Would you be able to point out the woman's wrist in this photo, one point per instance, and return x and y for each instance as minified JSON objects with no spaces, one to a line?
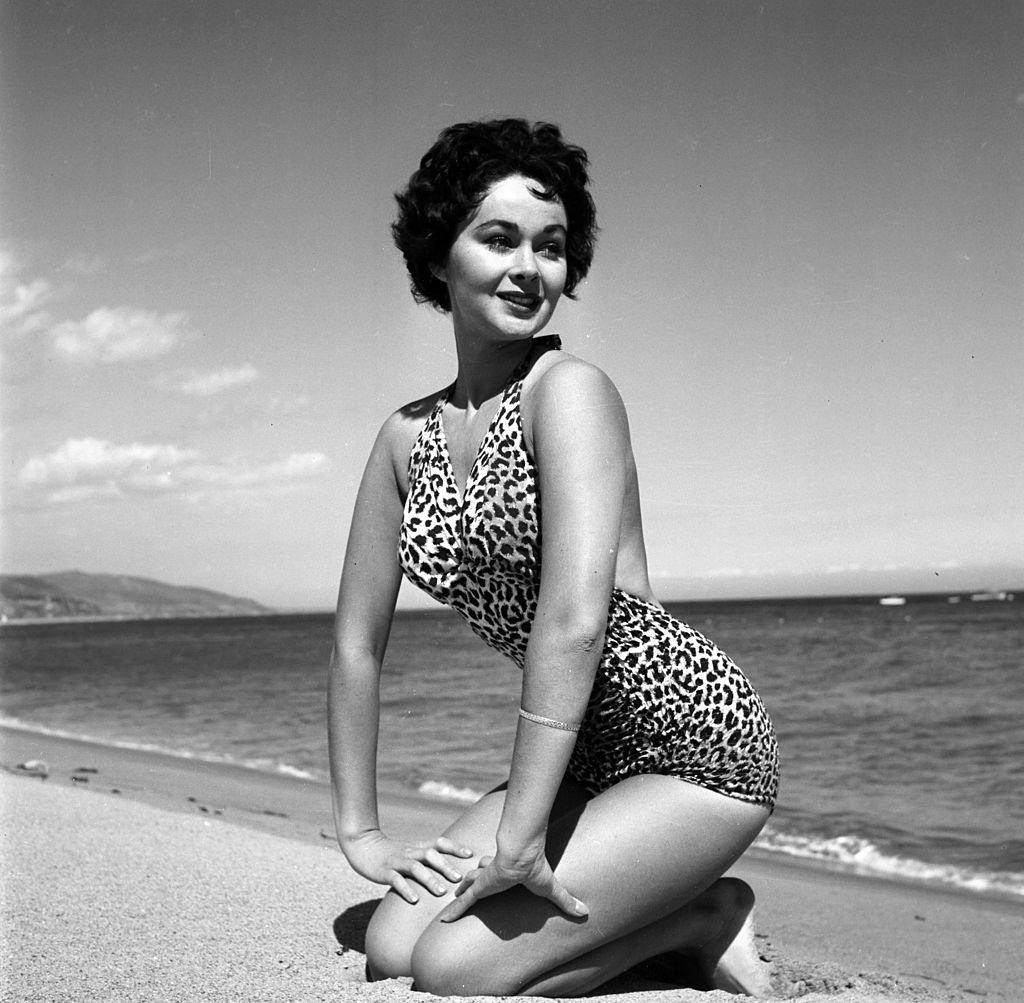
{"x":353,"y":837}
{"x":519,"y":846}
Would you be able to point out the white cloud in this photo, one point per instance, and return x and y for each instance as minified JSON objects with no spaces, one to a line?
{"x":208,"y":384}
{"x":119,"y":333}
{"x":21,"y":303}
{"x":95,"y":461}
{"x":95,"y":468}
{"x":22,"y":312}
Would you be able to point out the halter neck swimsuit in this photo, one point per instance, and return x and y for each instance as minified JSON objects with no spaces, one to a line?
{"x":665,"y":699}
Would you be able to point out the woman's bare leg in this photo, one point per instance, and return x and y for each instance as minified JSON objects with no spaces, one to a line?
{"x":710,"y":937}
{"x":640,"y":855}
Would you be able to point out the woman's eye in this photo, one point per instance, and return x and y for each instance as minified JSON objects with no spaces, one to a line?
{"x":552,"y":250}
{"x":499,"y":241}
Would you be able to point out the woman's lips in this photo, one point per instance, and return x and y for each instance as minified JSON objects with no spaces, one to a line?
{"x":523,"y":301}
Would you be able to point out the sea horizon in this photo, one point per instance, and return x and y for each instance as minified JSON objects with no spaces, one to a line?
{"x":1000,"y":594}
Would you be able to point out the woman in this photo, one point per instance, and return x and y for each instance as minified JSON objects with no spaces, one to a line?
{"x":644,"y":764}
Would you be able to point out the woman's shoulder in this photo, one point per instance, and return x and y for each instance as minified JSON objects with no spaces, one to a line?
{"x":560,"y":378}
{"x":567,"y":389}
{"x":401,"y":428}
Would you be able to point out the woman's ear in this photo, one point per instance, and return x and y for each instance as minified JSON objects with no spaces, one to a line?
{"x":439,"y":272}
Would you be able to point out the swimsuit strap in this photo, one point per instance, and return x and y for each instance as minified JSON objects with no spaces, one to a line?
{"x":548,"y":343}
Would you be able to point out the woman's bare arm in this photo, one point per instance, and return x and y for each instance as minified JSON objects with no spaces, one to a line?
{"x":581,"y":449}
{"x":366,"y":603}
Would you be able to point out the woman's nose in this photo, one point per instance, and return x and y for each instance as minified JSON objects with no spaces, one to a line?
{"x":524,"y":268}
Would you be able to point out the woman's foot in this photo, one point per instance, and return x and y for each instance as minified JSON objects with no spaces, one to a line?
{"x":729,"y":960}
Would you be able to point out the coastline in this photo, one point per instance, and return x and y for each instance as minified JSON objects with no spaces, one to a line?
{"x":830,"y":935}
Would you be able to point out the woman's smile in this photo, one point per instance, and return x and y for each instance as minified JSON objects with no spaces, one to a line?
{"x":521,"y":302}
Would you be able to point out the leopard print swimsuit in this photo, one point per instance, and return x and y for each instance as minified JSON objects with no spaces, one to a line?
{"x":665,"y":699}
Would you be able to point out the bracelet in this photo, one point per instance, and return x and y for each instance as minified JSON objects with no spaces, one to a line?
{"x":549,"y":722}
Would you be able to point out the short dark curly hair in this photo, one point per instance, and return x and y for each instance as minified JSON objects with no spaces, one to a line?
{"x":454,"y":176}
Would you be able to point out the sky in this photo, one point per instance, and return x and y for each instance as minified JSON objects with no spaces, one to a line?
{"x":808,"y":284}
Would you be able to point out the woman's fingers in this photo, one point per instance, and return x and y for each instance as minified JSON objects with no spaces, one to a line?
{"x":481,"y":882}
{"x":547,"y":886}
{"x":401,"y":886}
{"x":456,"y":908}
{"x":403,"y":866}
{"x":446,"y":845}
{"x":569,"y":904}
{"x":427,"y":877}
{"x":467,"y":895}
{"x":441,"y":865}
{"x":468,"y":879}
{"x":426,"y":863}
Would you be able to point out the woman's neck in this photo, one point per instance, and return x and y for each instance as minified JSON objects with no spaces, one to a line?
{"x":484,"y":369}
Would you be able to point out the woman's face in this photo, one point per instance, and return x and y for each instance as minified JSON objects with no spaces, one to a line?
{"x":506,"y":269}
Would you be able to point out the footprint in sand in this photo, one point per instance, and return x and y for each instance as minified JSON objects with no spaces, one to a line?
{"x":203,"y":808}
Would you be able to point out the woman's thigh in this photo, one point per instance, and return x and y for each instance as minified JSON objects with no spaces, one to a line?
{"x":397,"y":925}
{"x":633,"y":854}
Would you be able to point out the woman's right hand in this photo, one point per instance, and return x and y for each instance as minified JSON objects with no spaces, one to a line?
{"x":389,"y":862}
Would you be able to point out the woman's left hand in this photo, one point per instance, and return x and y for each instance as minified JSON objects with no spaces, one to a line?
{"x":498,"y":874}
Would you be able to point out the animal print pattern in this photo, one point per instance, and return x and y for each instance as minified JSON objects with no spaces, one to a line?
{"x":665,"y":699}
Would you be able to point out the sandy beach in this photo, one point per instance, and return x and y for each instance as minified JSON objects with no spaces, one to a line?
{"x":131,"y":875}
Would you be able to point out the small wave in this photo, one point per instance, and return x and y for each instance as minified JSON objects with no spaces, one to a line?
{"x":294,"y":771}
{"x":861,"y":856}
{"x":222,"y":759}
{"x":81,"y":736}
{"x":449,"y":792}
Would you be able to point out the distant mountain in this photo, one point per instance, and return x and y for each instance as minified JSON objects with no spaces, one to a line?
{"x":78,"y":594}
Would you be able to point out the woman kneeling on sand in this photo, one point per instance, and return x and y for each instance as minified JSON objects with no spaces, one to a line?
{"x":644,"y":763}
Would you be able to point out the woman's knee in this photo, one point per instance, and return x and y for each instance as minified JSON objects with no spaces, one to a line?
{"x":390,"y":938}
{"x":444,"y":963}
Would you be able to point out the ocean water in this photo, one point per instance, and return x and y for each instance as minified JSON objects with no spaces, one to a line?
{"x":900,"y":727}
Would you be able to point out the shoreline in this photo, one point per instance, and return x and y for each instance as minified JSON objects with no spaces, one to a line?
{"x":288,"y":806}
{"x":299,"y":807}
{"x":831,"y":936}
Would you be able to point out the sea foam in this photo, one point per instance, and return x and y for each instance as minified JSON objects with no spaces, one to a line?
{"x":449,"y":792}
{"x":860,"y":856}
